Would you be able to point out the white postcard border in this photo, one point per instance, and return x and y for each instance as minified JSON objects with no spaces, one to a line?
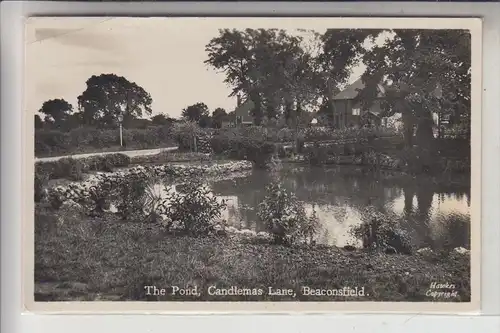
{"x":473,"y":24}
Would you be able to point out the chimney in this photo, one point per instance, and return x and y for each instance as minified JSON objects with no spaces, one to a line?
{"x":238,"y":100}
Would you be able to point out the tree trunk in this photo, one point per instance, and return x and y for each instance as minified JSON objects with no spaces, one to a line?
{"x":425,"y":139}
{"x":407,"y":118}
{"x":257,"y":111}
{"x":296,"y":116}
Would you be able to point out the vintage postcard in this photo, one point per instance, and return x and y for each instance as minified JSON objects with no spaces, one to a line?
{"x":252,"y":164}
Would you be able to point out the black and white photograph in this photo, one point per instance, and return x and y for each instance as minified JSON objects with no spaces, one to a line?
{"x":246,"y":160}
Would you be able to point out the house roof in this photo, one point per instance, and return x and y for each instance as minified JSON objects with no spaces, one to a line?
{"x":245,"y":107}
{"x":244,"y":111}
{"x":352,"y":90}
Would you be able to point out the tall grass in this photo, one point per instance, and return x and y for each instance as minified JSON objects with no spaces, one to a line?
{"x":81,"y":258}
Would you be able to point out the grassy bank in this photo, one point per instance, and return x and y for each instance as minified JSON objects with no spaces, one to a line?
{"x":82,"y":258}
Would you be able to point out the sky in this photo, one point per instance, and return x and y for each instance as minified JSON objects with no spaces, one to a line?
{"x":163,"y":55}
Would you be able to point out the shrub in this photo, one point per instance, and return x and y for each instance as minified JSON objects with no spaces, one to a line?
{"x":41,"y":179}
{"x":98,"y":198}
{"x":118,"y":160}
{"x":55,"y":199}
{"x":184,"y":133}
{"x":99,"y":163}
{"x":318,"y":155}
{"x":171,"y":156}
{"x":130,"y":197}
{"x":381,"y":232}
{"x":236,"y":146}
{"x":73,"y":169}
{"x":455,"y":231}
{"x":346,"y":134}
{"x":284,"y":216}
{"x":193,"y":212}
{"x":68,"y":168}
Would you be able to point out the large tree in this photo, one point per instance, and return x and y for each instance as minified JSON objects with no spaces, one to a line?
{"x":162,"y":120}
{"x":264,"y":65}
{"x":287,"y":70}
{"x":218,"y":117}
{"x":424,"y":72}
{"x":38,"y":122}
{"x":195,"y":112}
{"x":109,"y":95}
{"x":56,"y":111}
{"x":340,"y":51}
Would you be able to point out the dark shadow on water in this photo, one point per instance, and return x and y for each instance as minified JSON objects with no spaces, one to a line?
{"x":434,"y":215}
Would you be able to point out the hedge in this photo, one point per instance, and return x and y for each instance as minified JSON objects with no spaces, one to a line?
{"x":236,"y":146}
{"x":72,"y":168}
{"x":88,"y":139}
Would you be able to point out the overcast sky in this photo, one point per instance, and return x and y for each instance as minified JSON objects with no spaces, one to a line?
{"x":163,"y":55}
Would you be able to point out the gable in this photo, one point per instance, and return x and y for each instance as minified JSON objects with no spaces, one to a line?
{"x":244,"y":110}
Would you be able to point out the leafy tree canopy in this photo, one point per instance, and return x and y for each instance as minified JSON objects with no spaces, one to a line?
{"x":218,"y":117}
{"x":56,"y":110}
{"x":195,"y":112}
{"x":422,"y":72}
{"x":109,"y":95}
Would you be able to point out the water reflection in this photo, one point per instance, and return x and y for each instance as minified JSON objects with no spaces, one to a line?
{"x":435,"y":216}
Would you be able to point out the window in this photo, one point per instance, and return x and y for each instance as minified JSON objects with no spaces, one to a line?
{"x":356,"y":111}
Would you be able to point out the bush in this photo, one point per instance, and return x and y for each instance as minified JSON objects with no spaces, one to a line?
{"x":68,"y":168}
{"x":55,"y":199}
{"x":41,"y":179}
{"x":347,"y":134}
{"x":194,"y":212}
{"x":98,"y":198}
{"x":118,"y":160}
{"x":318,"y":155}
{"x":381,"y":232}
{"x":184,"y":133}
{"x":73,"y":169}
{"x":236,"y":146}
{"x":171,"y":156}
{"x":130,"y":198}
{"x":285,"y":217}
{"x":98,"y":163}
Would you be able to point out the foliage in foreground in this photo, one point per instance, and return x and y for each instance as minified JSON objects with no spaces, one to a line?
{"x":195,"y":211}
{"x":148,"y":197}
{"x":285,"y":216}
{"x":381,"y":232}
{"x":81,"y":258}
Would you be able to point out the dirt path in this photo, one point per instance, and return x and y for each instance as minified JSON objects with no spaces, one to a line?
{"x":130,"y":153}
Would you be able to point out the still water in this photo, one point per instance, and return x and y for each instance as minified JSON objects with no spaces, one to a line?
{"x":435,"y":215}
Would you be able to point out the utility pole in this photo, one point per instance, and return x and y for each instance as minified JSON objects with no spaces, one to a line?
{"x":120,"y":120}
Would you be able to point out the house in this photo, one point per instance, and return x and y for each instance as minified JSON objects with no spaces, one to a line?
{"x":349,"y":113}
{"x":242,"y":114}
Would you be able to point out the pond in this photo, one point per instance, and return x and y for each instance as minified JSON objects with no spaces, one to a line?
{"x":437,"y":216}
